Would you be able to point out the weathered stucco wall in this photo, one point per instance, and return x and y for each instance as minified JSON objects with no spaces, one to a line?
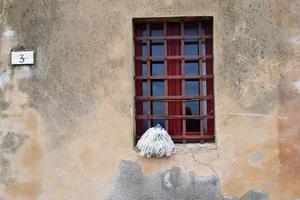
{"x":67,"y":122}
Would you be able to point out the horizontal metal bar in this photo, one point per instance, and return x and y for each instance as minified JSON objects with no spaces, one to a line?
{"x":199,"y":136}
{"x":186,"y":57}
{"x":174,"y":37}
{"x":209,"y":116}
{"x":178,"y":98}
{"x":174,"y":77}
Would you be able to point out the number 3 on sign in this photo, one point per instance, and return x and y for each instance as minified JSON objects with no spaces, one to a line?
{"x":22,"y":58}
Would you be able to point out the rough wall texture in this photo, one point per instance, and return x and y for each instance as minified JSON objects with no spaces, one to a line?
{"x":67,"y":122}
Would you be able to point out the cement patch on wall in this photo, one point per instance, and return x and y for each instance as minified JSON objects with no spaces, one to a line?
{"x":172,"y":184}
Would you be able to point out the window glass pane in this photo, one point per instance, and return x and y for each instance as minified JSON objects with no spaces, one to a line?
{"x":191,"y":30}
{"x":191,"y":68}
{"x":158,"y":121}
{"x":145,"y":108}
{"x":157,"y":49}
{"x":192,"y":108}
{"x":158,"y":108}
{"x":145,"y":91}
{"x":144,"y":49}
{"x":157,"y":32}
{"x":191,"y":48}
{"x":144,"y":69}
{"x":144,"y":32}
{"x":158,"y":88}
{"x":158,"y":68}
{"x":191,"y":88}
{"x":145,"y":125}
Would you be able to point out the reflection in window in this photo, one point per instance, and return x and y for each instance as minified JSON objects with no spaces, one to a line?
{"x":191,"y":88}
{"x":145,"y":91}
{"x":191,"y":48}
{"x":157,"y":32}
{"x":191,"y":68}
{"x":190,"y":30}
{"x":145,"y":108}
{"x":158,"y":68}
{"x":158,"y":108}
{"x":192,"y":108}
{"x":144,"y":69}
{"x":158,"y":88}
{"x":144,"y":49}
{"x":145,"y":125}
{"x":157,"y":49}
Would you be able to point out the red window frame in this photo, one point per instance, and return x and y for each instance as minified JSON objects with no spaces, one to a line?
{"x":174,"y":39}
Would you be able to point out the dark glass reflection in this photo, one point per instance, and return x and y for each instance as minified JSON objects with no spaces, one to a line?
{"x":157,"y":49}
{"x":191,"y":30}
{"x":191,"y":68}
{"x":158,"y":108}
{"x":144,"y":33}
{"x":144,"y":69}
{"x":158,"y":68}
{"x":157,"y":32}
{"x":145,"y":91}
{"x":158,"y":88}
{"x":144,"y":49}
{"x":192,"y":108}
{"x":191,"y":48}
{"x":145,"y":125}
{"x":145,"y":108}
{"x":191,"y":88}
{"x":158,"y":121}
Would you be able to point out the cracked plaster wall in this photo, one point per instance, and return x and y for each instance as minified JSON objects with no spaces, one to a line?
{"x":67,"y":122}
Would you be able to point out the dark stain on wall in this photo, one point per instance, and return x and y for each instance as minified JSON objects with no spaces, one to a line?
{"x":172,"y":184}
{"x":10,"y":142}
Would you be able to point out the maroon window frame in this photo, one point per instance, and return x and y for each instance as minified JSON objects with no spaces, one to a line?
{"x":174,"y":77}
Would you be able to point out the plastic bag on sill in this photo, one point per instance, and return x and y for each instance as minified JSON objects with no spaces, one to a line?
{"x":156,"y":142}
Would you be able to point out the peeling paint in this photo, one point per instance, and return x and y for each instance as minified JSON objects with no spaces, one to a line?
{"x":295,"y":40}
{"x":10,"y":141}
{"x":5,"y":77}
{"x":8,"y":33}
{"x":297,"y":86}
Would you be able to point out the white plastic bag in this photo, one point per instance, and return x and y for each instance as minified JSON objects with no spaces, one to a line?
{"x":156,"y":142}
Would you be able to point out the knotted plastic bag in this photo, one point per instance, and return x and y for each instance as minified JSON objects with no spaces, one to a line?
{"x":156,"y":142}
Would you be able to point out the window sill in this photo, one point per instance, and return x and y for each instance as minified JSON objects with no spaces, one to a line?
{"x":195,"y":147}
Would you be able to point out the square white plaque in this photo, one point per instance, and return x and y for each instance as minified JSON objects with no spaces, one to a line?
{"x":22,"y":58}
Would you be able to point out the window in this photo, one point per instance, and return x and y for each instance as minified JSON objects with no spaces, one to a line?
{"x":174,"y":77}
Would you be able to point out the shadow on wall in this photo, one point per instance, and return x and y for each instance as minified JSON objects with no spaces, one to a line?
{"x":171,"y":185}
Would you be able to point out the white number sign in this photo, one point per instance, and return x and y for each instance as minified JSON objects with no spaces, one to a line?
{"x":22,"y":58}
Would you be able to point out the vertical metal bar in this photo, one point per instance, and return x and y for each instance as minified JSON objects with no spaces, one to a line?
{"x":200,"y":73}
{"x":183,"y":82}
{"x":148,"y":73}
{"x":166,"y":68}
